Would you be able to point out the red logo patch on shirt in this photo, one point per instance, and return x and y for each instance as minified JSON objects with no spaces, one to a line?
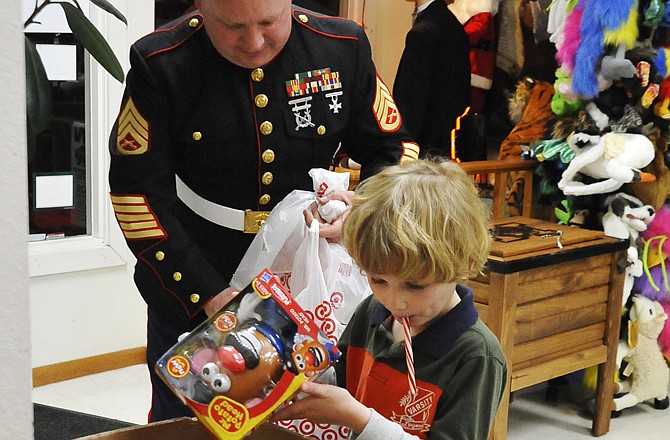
{"x":416,"y":412}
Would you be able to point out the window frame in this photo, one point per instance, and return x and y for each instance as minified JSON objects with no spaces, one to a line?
{"x":103,"y":246}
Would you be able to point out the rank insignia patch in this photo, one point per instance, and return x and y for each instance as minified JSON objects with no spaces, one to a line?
{"x":136,"y":219}
{"x":385,"y":109}
{"x":132,"y":137}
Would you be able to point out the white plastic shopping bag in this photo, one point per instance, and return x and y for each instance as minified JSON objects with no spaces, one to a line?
{"x":275,"y":244}
{"x":308,"y":283}
{"x":321,"y":276}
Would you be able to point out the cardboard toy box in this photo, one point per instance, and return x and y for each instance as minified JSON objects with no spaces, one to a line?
{"x":235,"y":369}
{"x":186,"y":429}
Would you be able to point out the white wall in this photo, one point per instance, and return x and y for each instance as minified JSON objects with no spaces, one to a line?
{"x":15,"y":404}
{"x":82,"y":298}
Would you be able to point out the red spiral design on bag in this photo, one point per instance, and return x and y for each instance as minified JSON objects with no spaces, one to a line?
{"x":323,"y":310}
{"x":329,"y":434}
{"x":306,"y":427}
{"x":285,"y":280}
{"x":344,"y":431}
{"x":329,"y":327}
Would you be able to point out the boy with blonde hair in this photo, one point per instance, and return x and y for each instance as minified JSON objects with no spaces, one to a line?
{"x":417,"y":230}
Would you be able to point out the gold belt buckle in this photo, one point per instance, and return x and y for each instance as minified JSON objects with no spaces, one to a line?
{"x":253,"y":220}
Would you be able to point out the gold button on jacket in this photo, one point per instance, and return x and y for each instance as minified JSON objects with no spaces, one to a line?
{"x":268,"y":156}
{"x":267,"y":178}
{"x":264,"y":199}
{"x":261,"y":101}
{"x":195,"y":298}
{"x":266,"y":128}
{"x":257,"y":75}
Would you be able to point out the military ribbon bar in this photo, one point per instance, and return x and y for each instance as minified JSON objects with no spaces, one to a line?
{"x":312,"y":82}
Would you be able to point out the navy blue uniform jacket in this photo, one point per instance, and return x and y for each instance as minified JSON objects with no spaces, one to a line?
{"x":241,"y":138}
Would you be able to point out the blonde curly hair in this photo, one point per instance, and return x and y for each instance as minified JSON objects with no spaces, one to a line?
{"x":422,"y":221}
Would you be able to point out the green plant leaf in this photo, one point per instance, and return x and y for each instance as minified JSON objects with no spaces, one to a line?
{"x":93,"y":41}
{"x":106,"y":6}
{"x":38,"y":96}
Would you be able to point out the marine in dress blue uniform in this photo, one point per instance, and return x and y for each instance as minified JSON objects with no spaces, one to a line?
{"x":197,"y":136}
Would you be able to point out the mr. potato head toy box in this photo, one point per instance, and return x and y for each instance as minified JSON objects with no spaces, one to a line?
{"x":236,"y":368}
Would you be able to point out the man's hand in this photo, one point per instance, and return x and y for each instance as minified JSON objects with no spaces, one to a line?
{"x":326,"y":404}
{"x":330,"y":231}
{"x":221,"y":299}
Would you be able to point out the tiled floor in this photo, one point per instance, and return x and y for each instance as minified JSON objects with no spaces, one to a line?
{"x":125,"y":395}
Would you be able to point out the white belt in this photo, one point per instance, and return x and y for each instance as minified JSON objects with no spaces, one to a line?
{"x":231,"y":218}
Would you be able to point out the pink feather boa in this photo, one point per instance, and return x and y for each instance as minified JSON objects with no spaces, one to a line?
{"x":571,"y":40}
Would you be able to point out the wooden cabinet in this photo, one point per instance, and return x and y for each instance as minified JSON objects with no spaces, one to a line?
{"x":555,"y":310}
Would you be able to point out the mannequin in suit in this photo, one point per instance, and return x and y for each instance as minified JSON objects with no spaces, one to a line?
{"x":432,"y":84}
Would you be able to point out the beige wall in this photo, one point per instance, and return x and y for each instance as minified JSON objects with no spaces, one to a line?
{"x":386,"y":23}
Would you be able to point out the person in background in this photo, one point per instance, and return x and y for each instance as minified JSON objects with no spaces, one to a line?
{"x":225,"y":111}
{"x":417,"y":229}
{"x":432,"y":84}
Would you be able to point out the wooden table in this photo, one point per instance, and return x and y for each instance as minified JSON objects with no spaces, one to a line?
{"x":554,"y":310}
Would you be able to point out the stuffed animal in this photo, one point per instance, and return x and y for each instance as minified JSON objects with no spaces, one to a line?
{"x":664,"y":337}
{"x":615,"y":158}
{"x":626,"y":218}
{"x":649,"y":373}
{"x":657,"y":192}
{"x":530,"y":109}
{"x":655,"y":284}
{"x":591,"y":28}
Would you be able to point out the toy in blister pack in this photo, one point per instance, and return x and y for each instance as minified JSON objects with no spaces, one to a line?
{"x":235,"y":369}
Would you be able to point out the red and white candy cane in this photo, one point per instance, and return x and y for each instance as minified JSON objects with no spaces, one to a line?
{"x":409,"y":356}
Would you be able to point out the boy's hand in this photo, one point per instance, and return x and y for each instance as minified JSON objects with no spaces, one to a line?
{"x":326,"y":404}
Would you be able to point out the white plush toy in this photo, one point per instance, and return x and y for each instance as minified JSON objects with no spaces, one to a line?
{"x":616,"y":158}
{"x":647,"y":368}
{"x":625,"y":218}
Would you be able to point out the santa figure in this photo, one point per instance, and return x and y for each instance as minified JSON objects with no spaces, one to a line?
{"x":477,"y":17}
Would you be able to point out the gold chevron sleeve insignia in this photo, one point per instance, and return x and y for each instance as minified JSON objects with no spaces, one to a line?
{"x":410,"y":151}
{"x":132,"y":136}
{"x":135,"y":217}
{"x":385,"y":109}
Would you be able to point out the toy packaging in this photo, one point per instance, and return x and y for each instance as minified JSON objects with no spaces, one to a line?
{"x":236,"y":368}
